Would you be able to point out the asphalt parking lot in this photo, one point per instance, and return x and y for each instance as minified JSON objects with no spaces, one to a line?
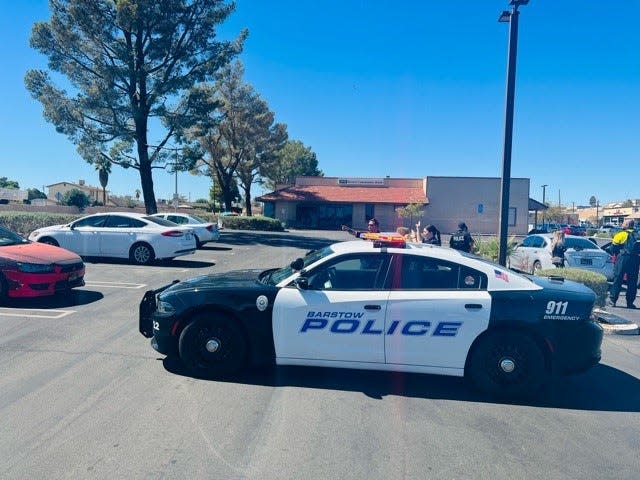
{"x":83,"y":395}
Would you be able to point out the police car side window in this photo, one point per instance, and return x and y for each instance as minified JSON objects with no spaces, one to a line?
{"x":413,"y":272}
{"x":471,"y":279}
{"x":351,"y":272}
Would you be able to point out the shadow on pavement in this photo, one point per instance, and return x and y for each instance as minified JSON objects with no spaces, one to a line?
{"x":603,"y":388}
{"x":177,"y":263}
{"x":280,"y":239}
{"x":62,"y":300}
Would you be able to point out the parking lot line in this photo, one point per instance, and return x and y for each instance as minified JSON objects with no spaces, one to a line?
{"x":50,"y":314}
{"x":96,"y":283}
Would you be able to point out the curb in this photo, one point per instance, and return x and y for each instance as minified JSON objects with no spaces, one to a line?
{"x":615,"y":324}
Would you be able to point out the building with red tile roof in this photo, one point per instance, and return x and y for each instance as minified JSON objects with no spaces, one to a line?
{"x":329,"y":202}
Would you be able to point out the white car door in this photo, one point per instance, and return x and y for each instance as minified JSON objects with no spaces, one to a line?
{"x":118,"y":235}
{"x":339,"y":316}
{"x":436,"y":310}
{"x":82,"y":236}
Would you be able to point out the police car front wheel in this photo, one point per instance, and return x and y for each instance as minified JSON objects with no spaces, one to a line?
{"x":507,"y":364}
{"x":212,"y":344}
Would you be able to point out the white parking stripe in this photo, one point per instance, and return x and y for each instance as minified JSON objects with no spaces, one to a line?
{"x":52,"y":314}
{"x":96,"y":283}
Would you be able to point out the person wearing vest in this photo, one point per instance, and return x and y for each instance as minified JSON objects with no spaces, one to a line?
{"x":627,"y":243}
{"x":461,"y":240}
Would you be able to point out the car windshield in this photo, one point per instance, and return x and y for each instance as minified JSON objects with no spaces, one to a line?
{"x":273,"y":277}
{"x":7,"y":238}
{"x":160,"y":221}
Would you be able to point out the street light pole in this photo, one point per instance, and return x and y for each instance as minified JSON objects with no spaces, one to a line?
{"x":512,"y":18}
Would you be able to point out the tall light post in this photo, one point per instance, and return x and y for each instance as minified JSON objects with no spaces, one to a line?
{"x":512,"y":18}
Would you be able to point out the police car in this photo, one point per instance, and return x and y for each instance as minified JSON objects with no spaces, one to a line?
{"x":382,"y":305}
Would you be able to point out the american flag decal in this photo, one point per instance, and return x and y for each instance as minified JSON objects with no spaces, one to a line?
{"x":501,"y":275}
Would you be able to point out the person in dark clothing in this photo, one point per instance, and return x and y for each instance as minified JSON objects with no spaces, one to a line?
{"x":627,"y":245}
{"x":430,"y":234}
{"x":373,"y":226}
{"x":558,"y":248}
{"x":462,"y":240}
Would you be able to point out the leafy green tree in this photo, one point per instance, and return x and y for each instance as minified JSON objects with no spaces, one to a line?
{"x":292,"y":160}
{"x":411,"y":211}
{"x":33,"y":193}
{"x":592,"y":200}
{"x":627,"y":203}
{"x":131,"y":64}
{"x":240,"y":137}
{"x":6,"y":183}
{"x":76,"y":198}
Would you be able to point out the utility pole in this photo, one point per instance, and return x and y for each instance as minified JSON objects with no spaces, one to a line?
{"x":544,"y":198}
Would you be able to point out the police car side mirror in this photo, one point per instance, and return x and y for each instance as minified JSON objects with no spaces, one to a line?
{"x":302,"y":283}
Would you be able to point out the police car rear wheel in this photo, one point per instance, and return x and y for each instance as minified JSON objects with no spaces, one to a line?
{"x":212,"y":344}
{"x":507,"y":364}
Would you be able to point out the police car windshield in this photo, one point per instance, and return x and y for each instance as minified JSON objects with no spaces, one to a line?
{"x":278,"y":275}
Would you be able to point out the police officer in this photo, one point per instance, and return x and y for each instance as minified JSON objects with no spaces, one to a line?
{"x":627,"y":243}
{"x":461,"y":240}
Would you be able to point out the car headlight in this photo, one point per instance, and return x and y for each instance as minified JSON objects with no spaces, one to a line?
{"x":34,"y":267}
{"x":165,"y":307}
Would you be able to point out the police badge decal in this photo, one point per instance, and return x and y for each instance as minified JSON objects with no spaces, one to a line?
{"x":261,"y":303}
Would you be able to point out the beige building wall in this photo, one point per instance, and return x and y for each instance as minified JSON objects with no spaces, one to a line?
{"x":94,"y":193}
{"x":476,"y":201}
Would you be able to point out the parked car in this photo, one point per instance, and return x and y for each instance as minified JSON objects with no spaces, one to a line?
{"x":35,"y":270}
{"x":138,"y":237}
{"x":546,"y":228}
{"x":382,"y":305}
{"x":575,"y":230}
{"x":204,"y":231}
{"x":609,"y":228}
{"x":534,"y":253}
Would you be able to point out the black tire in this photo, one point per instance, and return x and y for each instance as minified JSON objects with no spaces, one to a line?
{"x":536,"y":267}
{"x":226,"y":337}
{"x":507,"y":364}
{"x":142,"y":254}
{"x":49,"y":241}
{"x":198,"y":243}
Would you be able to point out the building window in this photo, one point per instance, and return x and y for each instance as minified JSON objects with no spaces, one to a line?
{"x":512,"y":216}
{"x":270,"y":209}
{"x":369,"y":212}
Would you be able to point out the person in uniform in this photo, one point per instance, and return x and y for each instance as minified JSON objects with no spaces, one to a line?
{"x":626,"y":243}
{"x":461,"y":239}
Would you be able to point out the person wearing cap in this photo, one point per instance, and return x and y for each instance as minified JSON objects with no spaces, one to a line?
{"x":627,"y":243}
{"x":461,"y":239}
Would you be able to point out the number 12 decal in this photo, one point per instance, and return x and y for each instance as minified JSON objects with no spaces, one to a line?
{"x":556,"y":308}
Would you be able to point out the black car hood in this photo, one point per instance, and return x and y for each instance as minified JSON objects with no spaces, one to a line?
{"x":238,"y":279}
{"x":560,"y":284}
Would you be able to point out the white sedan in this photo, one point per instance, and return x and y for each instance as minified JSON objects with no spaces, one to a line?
{"x":534,"y":253}
{"x":139,"y":237}
{"x":204,"y":231}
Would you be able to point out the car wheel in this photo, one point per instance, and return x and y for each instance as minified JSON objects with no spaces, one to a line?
{"x":213,"y":344}
{"x":141,"y":254}
{"x":198,"y":242}
{"x":49,"y":241}
{"x":536,"y":267}
{"x":507,"y":364}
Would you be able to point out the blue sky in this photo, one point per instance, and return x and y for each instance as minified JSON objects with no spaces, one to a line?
{"x":405,"y":89}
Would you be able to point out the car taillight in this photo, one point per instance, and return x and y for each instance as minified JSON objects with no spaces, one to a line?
{"x":173,"y":233}
{"x":209,"y":227}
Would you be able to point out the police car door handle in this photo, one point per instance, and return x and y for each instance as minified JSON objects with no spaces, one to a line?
{"x":372,"y":307}
{"x":473,"y":306}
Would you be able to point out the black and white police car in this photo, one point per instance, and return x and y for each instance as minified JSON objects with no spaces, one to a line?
{"x":382,"y":305}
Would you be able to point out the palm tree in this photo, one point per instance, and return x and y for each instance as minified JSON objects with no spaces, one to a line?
{"x":103,"y":166}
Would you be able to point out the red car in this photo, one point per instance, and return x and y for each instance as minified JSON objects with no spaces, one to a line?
{"x":29,"y":269}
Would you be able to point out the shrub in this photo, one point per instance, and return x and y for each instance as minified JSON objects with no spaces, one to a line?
{"x":26,"y":222}
{"x":489,"y":247}
{"x":257,"y":222}
{"x":76,"y":198}
{"x":595,"y":281}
